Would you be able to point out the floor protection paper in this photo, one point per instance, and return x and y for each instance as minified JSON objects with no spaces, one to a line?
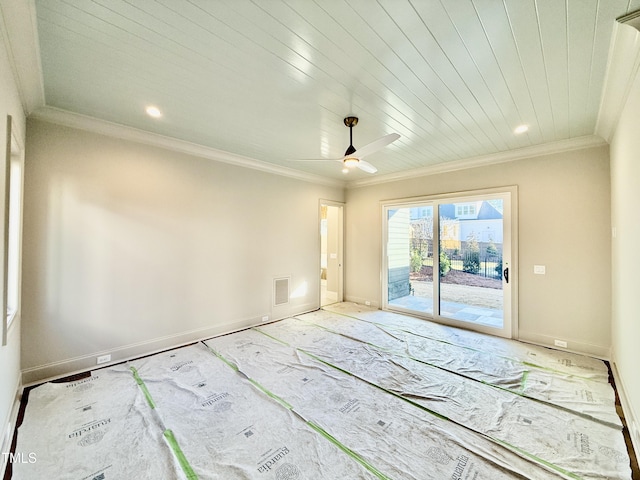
{"x":585,"y":396}
{"x":97,"y":428}
{"x":554,"y":360}
{"x":570,"y":443}
{"x":227,"y":428}
{"x":400,"y":440}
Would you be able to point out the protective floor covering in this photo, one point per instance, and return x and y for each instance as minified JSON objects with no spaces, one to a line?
{"x":97,"y":428}
{"x":402,"y":441}
{"x":590,"y":395}
{"x":350,"y":393}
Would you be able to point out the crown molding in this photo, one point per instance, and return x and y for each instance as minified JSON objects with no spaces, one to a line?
{"x":632,"y":19}
{"x":622,"y":68}
{"x":485,"y":160}
{"x":20,"y":35}
{"x":84,"y":122}
{"x":123,"y":132}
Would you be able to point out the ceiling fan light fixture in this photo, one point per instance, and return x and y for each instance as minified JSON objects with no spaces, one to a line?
{"x":351,"y":162}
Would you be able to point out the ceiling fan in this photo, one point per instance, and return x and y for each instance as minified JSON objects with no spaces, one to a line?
{"x":354,"y":158}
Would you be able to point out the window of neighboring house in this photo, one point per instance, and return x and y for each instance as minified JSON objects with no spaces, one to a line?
{"x":462,"y":210}
{"x":13,"y":226}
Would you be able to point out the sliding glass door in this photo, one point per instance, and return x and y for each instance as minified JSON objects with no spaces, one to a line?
{"x":449,"y":258}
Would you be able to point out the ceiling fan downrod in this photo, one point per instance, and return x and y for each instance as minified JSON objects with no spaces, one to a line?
{"x":350,"y":122}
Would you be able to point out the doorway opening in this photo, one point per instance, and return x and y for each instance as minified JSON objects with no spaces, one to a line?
{"x":331,"y":252}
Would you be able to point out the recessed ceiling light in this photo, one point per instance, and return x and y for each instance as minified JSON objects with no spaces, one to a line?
{"x":153,"y":111}
{"x":521,"y":129}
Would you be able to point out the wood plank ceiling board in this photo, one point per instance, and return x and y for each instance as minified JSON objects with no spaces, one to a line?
{"x":464,"y":42}
{"x":581,"y":30}
{"x":272,"y":80}
{"x":436,"y":76}
{"x":525,"y":32}
{"x":553,"y":39}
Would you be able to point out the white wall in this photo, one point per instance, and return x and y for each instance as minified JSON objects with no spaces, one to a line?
{"x":10,"y":353}
{"x":625,"y":219}
{"x":564,"y":217}
{"x":130,"y":248}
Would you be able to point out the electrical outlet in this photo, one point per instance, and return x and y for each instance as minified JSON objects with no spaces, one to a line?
{"x":560,"y":343}
{"x":265,"y":318}
{"x":367,"y":303}
{"x":103,"y":359}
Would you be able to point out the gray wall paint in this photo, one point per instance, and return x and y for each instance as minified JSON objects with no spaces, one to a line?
{"x":564,"y":218}
{"x":130,"y":248}
{"x":625,"y":218}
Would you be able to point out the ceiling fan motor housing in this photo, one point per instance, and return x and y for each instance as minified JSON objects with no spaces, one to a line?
{"x":351,"y":121}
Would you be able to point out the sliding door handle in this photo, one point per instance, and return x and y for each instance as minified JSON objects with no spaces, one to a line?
{"x":506,"y":274}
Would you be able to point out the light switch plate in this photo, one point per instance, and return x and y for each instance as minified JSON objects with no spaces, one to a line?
{"x":539,"y":269}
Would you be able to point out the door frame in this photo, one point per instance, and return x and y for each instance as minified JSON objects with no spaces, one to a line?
{"x":510,"y":225}
{"x":340,"y":252}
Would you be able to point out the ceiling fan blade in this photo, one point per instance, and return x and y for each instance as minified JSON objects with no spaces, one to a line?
{"x":315,"y":159}
{"x":377,"y":145}
{"x":366,"y":167}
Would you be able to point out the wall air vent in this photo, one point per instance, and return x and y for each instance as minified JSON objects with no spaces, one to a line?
{"x":280,"y":291}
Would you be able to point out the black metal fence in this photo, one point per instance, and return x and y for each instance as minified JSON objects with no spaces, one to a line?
{"x":477,"y":258}
{"x":489,"y":266}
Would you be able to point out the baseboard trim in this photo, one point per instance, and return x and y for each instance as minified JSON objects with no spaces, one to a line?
{"x":301,"y":309}
{"x":598,"y":351}
{"x":72,"y":366}
{"x":629,"y":415}
{"x":363,"y":301}
{"x":9,"y":427}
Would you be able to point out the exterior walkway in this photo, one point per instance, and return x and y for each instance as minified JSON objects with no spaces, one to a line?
{"x":490,"y":317}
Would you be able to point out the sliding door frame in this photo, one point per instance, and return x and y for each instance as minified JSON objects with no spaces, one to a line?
{"x":510,"y":227}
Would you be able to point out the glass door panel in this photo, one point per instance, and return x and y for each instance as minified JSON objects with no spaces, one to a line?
{"x":410,"y":258}
{"x":471,"y":250}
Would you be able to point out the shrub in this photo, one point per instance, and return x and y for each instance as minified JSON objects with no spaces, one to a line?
{"x":445,"y":263}
{"x":471,"y":261}
{"x":416,"y":261}
{"x":471,"y":258}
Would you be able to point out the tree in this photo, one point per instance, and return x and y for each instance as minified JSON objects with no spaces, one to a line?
{"x":471,"y":259}
{"x":421,"y":236}
{"x":445,"y":263}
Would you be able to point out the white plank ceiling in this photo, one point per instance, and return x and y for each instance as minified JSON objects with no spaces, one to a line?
{"x":273,"y":79}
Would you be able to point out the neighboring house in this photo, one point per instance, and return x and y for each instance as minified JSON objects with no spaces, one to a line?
{"x":462,"y":221}
{"x":398,"y":253}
